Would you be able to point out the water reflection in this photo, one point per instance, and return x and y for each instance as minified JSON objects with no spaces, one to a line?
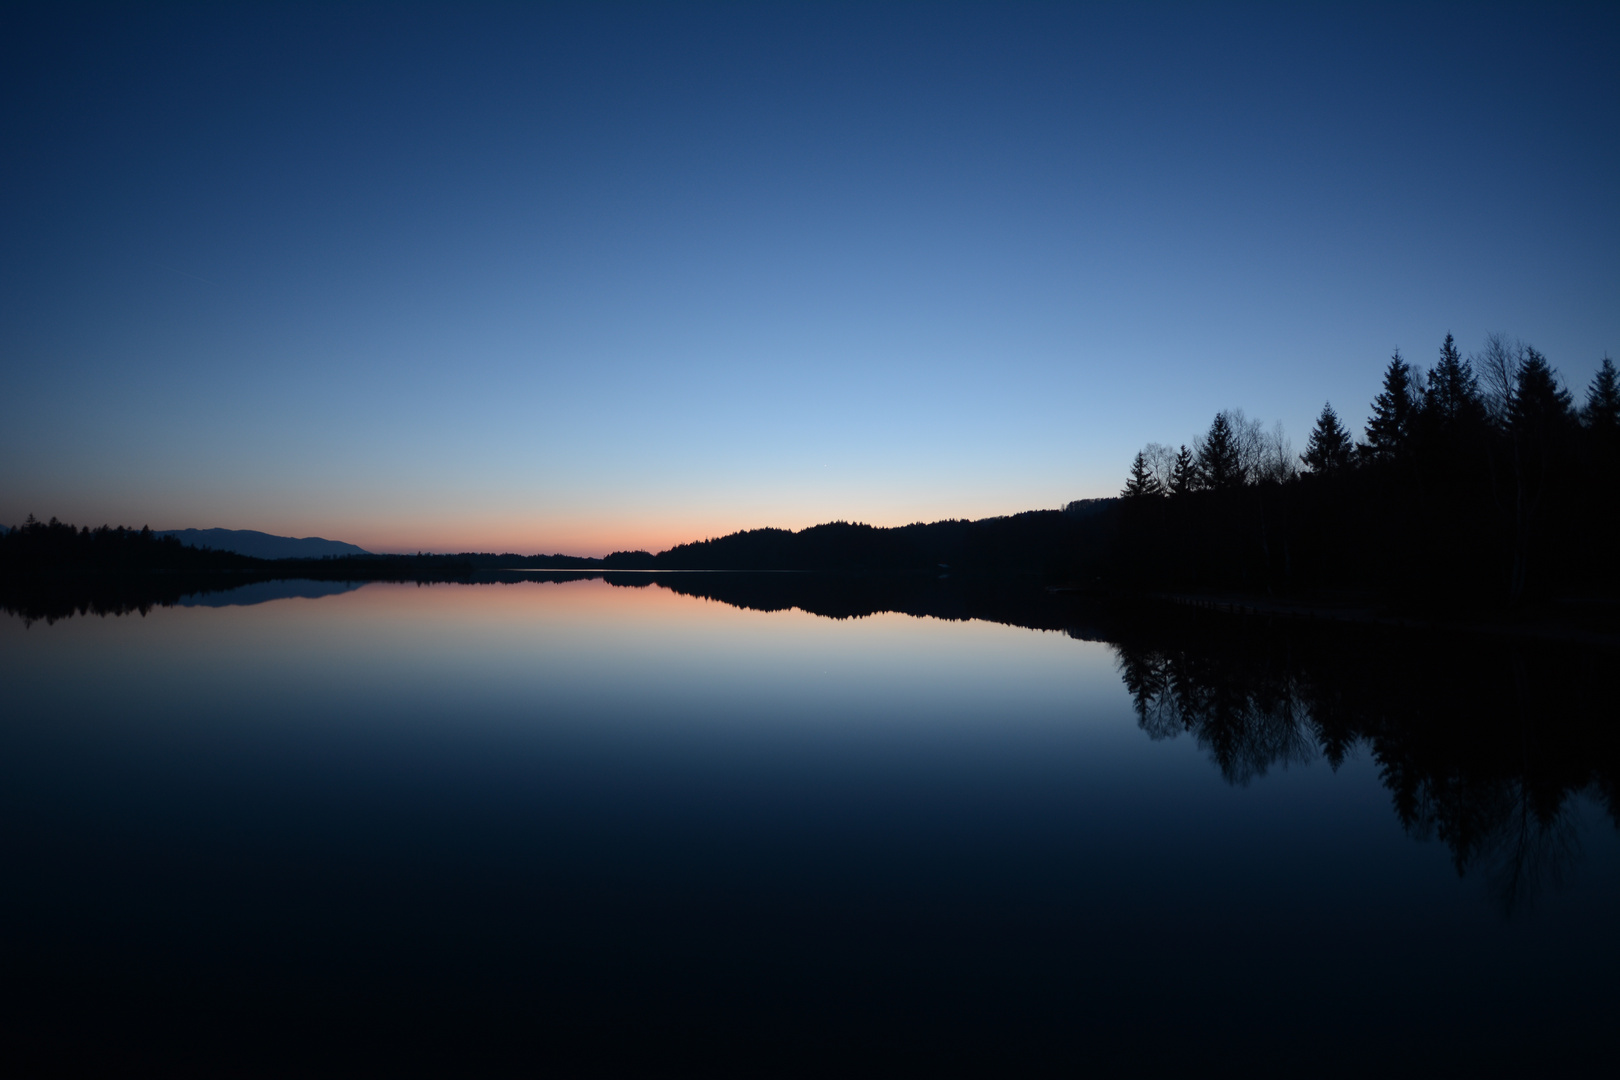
{"x":261,"y":592}
{"x":1487,"y":745}
{"x":728,"y":814}
{"x":48,"y":598}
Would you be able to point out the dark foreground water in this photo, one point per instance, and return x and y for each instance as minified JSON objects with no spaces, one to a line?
{"x":577,"y":828}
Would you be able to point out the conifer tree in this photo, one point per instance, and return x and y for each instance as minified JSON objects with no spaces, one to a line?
{"x":1329,"y":447}
{"x":1452,"y":397}
{"x":1184,"y":473}
{"x":1602,"y":412}
{"x":1540,"y":415}
{"x":1539,"y":404}
{"x":1220,"y":460}
{"x":1390,"y":428}
{"x":1141,"y":484}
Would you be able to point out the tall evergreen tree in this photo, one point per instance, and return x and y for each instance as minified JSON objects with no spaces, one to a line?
{"x":1141,"y":484}
{"x":1539,"y":404}
{"x":1184,"y":473}
{"x":1329,"y":447}
{"x":1602,"y":411}
{"x":1540,"y":418}
{"x":1390,"y":428}
{"x":1452,"y":397}
{"x":1220,"y":458}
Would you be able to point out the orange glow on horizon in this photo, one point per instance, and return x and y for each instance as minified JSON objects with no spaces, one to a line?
{"x":598,"y":536}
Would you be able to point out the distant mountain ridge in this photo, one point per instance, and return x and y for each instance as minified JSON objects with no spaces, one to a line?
{"x":260,"y":545}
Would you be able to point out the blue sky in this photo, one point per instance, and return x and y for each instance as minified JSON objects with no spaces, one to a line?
{"x":581,"y":278}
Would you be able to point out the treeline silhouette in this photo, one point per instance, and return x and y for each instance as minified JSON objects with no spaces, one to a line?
{"x":51,"y":546}
{"x":1479,"y":483}
{"x":1051,"y":543}
{"x":51,"y":570}
{"x":38,"y":546}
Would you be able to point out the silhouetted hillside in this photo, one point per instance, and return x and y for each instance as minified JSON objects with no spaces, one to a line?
{"x":1046,"y":542}
{"x":262,"y":545}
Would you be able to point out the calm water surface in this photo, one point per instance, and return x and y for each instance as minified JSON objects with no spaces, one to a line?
{"x":589,"y":829}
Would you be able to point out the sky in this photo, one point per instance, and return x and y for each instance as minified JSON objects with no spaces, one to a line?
{"x":588,"y":278}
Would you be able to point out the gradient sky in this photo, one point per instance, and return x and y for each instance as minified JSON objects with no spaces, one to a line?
{"x":599,"y":277}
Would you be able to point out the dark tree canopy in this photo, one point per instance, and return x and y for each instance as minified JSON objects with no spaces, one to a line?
{"x":1539,"y":407}
{"x":1452,"y":398}
{"x":1184,"y":473}
{"x":1142,"y":484}
{"x":1480,"y":485}
{"x":1390,"y":428}
{"x":1602,"y":412}
{"x":1330,"y":447}
{"x":1220,"y":459}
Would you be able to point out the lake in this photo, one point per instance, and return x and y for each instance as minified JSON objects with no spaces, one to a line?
{"x":694,"y":823}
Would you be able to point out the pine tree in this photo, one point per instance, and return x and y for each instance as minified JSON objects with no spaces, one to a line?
{"x":1452,"y":398}
{"x":1602,"y":412}
{"x":1184,"y":473}
{"x":1390,"y":428}
{"x":1539,"y":404}
{"x":1540,"y":415}
{"x":1329,"y":448}
{"x":1142,"y":484}
{"x":1220,"y":461}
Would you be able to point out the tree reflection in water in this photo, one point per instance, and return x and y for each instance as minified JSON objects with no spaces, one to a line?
{"x":1496,"y":748}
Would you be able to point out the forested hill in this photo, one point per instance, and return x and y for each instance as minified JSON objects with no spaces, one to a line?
{"x":1056,"y":544}
{"x":261,"y":545}
{"x":1480,"y":485}
{"x":1049,"y":542}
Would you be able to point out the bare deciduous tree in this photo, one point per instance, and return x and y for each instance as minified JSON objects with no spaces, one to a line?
{"x":1250,"y":437}
{"x":1277,"y":456}
{"x":1161,"y":462}
{"x":1498,"y":364}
